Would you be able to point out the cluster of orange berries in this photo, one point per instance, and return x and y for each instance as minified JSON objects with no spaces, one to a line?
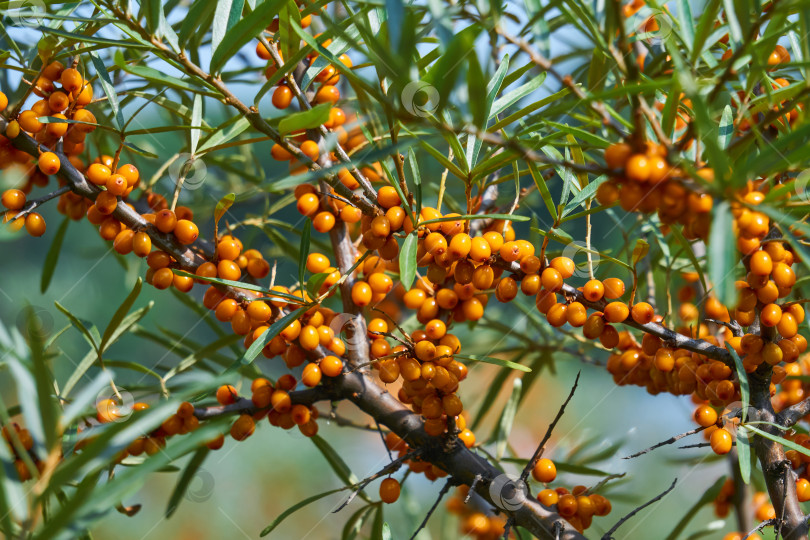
{"x":22,"y":437}
{"x":577,"y":506}
{"x":648,"y":183}
{"x":416,"y":465}
{"x":475,"y":523}
{"x":273,"y":401}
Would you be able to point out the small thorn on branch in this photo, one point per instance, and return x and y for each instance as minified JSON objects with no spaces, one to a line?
{"x":766,"y":523}
{"x":388,"y":469}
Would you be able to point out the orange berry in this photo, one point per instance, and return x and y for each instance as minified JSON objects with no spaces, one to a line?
{"x":13,"y":199}
{"x":705,"y":416}
{"x":389,"y":490}
{"x":331,"y":366}
{"x":226,"y":394}
{"x":48,"y":163}
{"x":720,"y":441}
{"x":35,"y":224}
{"x":642,"y":313}
{"x":544,"y":471}
{"x":186,"y":231}
{"x":282,"y":97}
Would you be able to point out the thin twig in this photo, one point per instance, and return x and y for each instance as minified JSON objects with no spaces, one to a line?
{"x":609,"y":535}
{"x":766,"y":523}
{"x":666,"y":442}
{"x":388,"y":469}
{"x":445,"y":488}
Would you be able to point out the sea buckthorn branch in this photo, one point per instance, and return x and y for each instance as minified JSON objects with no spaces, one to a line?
{"x":187,"y":257}
{"x":458,"y":461}
{"x":546,"y":64}
{"x":791,"y":415}
{"x":671,"y":440}
{"x":307,"y":396}
{"x":292,"y":83}
{"x":667,"y":335}
{"x":250,"y":113}
{"x":32,"y":204}
{"x":524,"y":474}
{"x":779,"y":476}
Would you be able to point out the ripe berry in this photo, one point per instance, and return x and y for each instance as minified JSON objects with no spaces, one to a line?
{"x":720,"y":441}
{"x":705,"y":416}
{"x":243,"y":427}
{"x":642,"y":312}
{"x":616,"y":312}
{"x":594,"y":290}
{"x":387,"y":197}
{"x":311,"y":375}
{"x":617,"y":154}
{"x":761,"y":263}
{"x":614,"y":288}
{"x":361,"y":294}
{"x":282,"y":97}
{"x":117,"y":185}
{"x":48,"y":163}
{"x":226,"y":394}
{"x":544,"y":471}
{"x":35,"y":224}
{"x":770,"y":315}
{"x":13,"y":199}
{"x":186,"y":231}
{"x":389,"y":490}
{"x":638,"y":168}
{"x":71,"y":80}
{"x":331,"y":366}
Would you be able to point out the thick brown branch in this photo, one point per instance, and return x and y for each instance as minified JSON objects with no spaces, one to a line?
{"x":668,"y":336}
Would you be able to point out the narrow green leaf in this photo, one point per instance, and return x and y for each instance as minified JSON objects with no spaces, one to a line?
{"x":744,"y":454}
{"x":542,"y":188}
{"x":109,"y":89}
{"x":707,"y":498}
{"x":196,"y":121}
{"x":244,"y":31}
{"x":335,"y":461}
{"x":303,"y":251}
{"x":224,"y":133}
{"x":307,"y":119}
{"x":509,"y":99}
{"x":507,"y":418}
{"x":781,"y":440}
{"x":88,"y":329}
{"x":407,"y":261}
{"x":294,"y":508}
{"x":185,"y":479}
{"x":119,"y":315}
{"x":223,"y":205}
{"x":492,"y":360}
{"x":53,"y":256}
{"x":722,"y":254}
{"x":726,"y":127}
